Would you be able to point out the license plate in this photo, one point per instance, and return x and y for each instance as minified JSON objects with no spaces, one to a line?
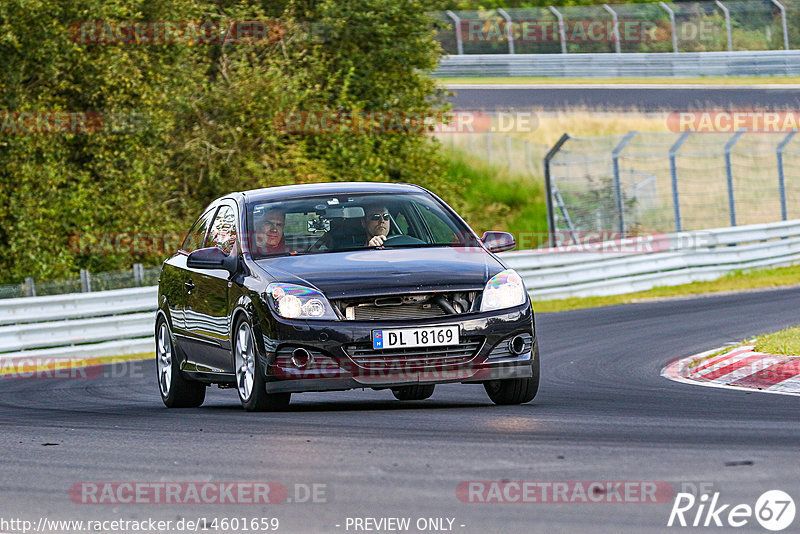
{"x":415,"y":337}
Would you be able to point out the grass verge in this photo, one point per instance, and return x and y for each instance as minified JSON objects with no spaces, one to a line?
{"x":737,"y":281}
{"x":496,"y":199}
{"x":709,"y":80}
{"x":785,"y":342}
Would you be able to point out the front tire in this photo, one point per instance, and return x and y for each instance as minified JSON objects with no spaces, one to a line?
{"x":418,"y":392}
{"x":176,"y":391}
{"x":515,"y":390}
{"x":250,"y":377}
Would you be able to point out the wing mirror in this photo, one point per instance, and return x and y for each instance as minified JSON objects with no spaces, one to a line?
{"x":211,"y":258}
{"x":498,"y":241}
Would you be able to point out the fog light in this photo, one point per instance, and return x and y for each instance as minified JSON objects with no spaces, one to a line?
{"x":301,"y":358}
{"x":517,"y":345}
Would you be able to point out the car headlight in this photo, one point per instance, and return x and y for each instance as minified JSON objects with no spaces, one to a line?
{"x":299,"y":302}
{"x":503,"y":290}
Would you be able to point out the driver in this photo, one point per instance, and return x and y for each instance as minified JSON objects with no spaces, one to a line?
{"x":376,"y":223}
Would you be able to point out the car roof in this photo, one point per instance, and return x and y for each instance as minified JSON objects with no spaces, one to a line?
{"x":286,"y":192}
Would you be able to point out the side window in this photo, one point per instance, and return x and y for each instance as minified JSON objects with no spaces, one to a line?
{"x":223,"y":231}
{"x":194,"y":239}
{"x":442,"y":233}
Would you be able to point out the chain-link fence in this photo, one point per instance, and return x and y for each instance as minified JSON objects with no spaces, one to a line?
{"x":705,"y":26}
{"x":85,"y":282}
{"x":666,"y":182}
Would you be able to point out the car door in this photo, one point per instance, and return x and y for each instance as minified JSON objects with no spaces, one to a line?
{"x":174,"y":275}
{"x":207,"y":310}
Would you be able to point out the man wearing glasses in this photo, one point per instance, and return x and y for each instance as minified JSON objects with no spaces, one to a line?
{"x":376,"y":223}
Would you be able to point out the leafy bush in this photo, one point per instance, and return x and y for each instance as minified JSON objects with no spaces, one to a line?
{"x":200,"y":119}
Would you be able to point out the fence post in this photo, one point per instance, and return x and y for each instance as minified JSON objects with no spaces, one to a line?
{"x":783,"y":24}
{"x":138,"y":274}
{"x":729,"y":174}
{"x":509,"y":32}
{"x":672,"y":25}
{"x":551,"y":224}
{"x":617,"y":184}
{"x":86,"y":281}
{"x":562,"y":34}
{"x":727,"y":23}
{"x":30,"y":287}
{"x":489,"y":147}
{"x":529,"y":157}
{"x":781,"y":184}
{"x":616,"y":27}
{"x":673,"y":171}
{"x":459,"y":39}
{"x":508,"y":151}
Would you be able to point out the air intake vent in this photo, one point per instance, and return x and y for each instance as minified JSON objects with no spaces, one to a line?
{"x":402,"y":307}
{"x":419,"y":357}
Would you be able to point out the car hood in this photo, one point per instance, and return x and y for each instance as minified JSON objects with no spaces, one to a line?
{"x":386,"y":271}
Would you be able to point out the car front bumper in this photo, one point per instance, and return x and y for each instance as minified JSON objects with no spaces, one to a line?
{"x":342,"y":358}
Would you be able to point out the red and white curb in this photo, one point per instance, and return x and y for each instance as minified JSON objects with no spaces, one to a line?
{"x":738,"y":368}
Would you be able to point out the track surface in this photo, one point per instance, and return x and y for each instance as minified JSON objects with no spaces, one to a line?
{"x":642,"y":99}
{"x":602,"y":413}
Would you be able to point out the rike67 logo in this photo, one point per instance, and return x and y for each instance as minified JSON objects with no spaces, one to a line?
{"x":774,"y":510}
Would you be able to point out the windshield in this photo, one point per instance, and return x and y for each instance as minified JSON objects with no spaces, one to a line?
{"x":335,"y":223}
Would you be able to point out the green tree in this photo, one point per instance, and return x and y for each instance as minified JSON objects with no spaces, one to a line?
{"x":186,"y":123}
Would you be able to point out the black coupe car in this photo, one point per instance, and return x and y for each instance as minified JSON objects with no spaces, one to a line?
{"x":336,"y":286}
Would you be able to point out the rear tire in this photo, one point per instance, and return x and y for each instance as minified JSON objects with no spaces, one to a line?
{"x":176,"y":391}
{"x":515,"y":390}
{"x":250,"y":376}
{"x":418,"y":392}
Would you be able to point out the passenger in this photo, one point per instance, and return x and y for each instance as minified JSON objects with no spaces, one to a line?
{"x":271,"y":239}
{"x":376,"y":223}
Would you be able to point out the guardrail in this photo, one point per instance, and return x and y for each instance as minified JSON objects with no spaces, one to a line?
{"x":662,"y":260}
{"x":102,"y":323}
{"x":77,"y":305}
{"x":664,"y":64}
{"x":121,"y":321}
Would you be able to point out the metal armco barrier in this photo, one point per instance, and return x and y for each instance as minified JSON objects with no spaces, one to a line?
{"x":77,"y":305}
{"x":638,"y":264}
{"x":103,"y":323}
{"x":664,"y":64}
{"x":122,"y":321}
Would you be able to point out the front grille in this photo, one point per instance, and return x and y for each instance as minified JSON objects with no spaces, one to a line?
{"x":406,"y":307}
{"x":418,"y":357}
{"x":407,"y":311}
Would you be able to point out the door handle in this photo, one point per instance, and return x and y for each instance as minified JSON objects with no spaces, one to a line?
{"x":189,"y":285}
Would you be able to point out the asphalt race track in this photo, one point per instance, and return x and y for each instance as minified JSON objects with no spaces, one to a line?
{"x":607,"y":98}
{"x":603,"y":413}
